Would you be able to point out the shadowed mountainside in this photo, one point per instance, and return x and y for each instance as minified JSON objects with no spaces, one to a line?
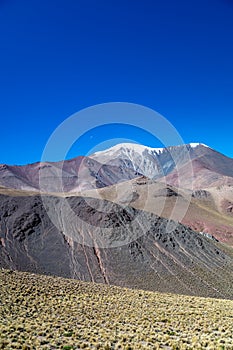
{"x":181,"y":261}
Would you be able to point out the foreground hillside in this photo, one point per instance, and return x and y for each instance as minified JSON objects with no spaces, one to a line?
{"x":41,"y":312}
{"x":140,"y":253}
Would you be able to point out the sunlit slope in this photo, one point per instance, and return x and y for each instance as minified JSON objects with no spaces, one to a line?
{"x":39,"y":312}
{"x":208,"y":210}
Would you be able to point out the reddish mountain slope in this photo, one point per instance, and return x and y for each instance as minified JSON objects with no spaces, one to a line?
{"x":71,"y":175}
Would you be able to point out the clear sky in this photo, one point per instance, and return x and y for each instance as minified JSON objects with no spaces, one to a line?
{"x":57,"y":57}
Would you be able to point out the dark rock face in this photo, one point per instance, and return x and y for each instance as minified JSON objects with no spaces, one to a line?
{"x":208,"y":235}
{"x":142,"y":254}
{"x":201,"y":194}
{"x":167,"y":192}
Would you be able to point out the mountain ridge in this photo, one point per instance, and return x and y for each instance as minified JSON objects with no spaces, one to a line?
{"x":124,"y":162}
{"x":119,"y":145}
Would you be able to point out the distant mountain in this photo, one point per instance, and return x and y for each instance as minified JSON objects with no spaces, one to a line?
{"x":198,"y":165}
{"x":192,"y":166}
{"x":144,"y":255}
{"x":77,"y":174}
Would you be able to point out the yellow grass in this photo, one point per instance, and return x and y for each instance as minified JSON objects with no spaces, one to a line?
{"x":39,"y":312}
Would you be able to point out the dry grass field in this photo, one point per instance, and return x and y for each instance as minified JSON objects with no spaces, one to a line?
{"x":41,"y":312}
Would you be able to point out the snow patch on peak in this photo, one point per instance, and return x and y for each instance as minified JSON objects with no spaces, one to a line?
{"x":193,"y":145}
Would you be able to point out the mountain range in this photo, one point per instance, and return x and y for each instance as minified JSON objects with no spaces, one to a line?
{"x":125,"y":198}
{"x":195,"y":166}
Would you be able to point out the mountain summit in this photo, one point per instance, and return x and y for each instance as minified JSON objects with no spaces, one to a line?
{"x":191,"y":166}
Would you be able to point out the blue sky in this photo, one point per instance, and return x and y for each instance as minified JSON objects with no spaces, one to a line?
{"x":57,"y":57}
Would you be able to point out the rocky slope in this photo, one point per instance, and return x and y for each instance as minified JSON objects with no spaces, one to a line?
{"x":140,"y":252}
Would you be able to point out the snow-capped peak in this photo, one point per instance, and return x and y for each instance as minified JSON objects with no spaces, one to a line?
{"x":149,"y":161}
{"x":130,"y":147}
{"x":135,"y":147}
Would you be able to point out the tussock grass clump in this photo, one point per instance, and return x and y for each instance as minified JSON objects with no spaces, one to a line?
{"x":41,"y":312}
